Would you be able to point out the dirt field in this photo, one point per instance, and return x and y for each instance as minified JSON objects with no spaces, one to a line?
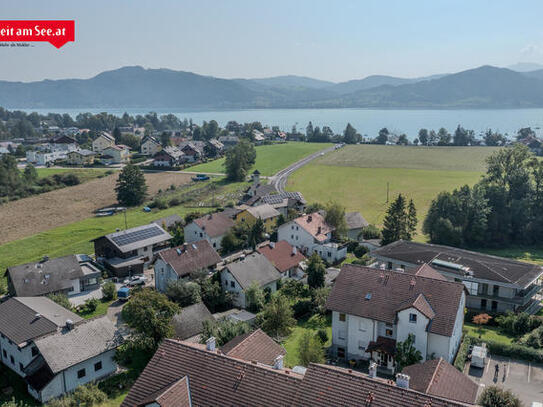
{"x":36,"y":214}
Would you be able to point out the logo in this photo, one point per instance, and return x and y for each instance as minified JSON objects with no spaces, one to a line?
{"x":55,"y":32}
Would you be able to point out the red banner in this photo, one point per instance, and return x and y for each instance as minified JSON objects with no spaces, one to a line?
{"x":56,"y":32}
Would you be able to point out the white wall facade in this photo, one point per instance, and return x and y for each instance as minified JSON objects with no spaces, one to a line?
{"x":21,"y":356}
{"x":417,"y":328}
{"x":193,"y":233}
{"x":230,"y":284}
{"x":163,"y":275}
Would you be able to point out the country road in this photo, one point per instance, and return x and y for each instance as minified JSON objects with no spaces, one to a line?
{"x":279,"y":180}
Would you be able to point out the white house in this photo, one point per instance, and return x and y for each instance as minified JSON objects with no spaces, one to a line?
{"x":116,"y":154}
{"x":150,"y":145}
{"x":210,"y":227}
{"x":238,"y":276}
{"x":311,"y":234}
{"x":103,"y":141}
{"x":373,"y":310}
{"x":45,"y":157}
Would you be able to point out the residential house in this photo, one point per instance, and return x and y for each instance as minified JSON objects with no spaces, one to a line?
{"x":128,"y":251}
{"x":214,"y":147}
{"x":150,"y":146}
{"x":62,"y":143}
{"x":46,"y":157}
{"x":80,"y":353}
{"x":169,"y":222}
{"x":103,"y":141}
{"x":189,"y":323}
{"x":494,"y":283}
{"x":168,"y":157}
{"x":192,"y":150}
{"x":24,"y":319}
{"x":439,"y":378}
{"x":373,"y":310}
{"x":258,"y":137}
{"x":180,"y":262}
{"x":311,"y":234}
{"x":285,"y":257}
{"x":69,"y":275}
{"x":229,"y":141}
{"x":255,"y":346}
{"x":116,"y":154}
{"x":238,"y":276}
{"x":355,"y":224}
{"x":203,"y":376}
{"x":283,"y":202}
{"x":80,"y":157}
{"x":267,"y":213}
{"x":211,"y":227}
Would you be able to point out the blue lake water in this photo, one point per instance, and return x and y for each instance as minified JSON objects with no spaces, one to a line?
{"x":366,"y":121}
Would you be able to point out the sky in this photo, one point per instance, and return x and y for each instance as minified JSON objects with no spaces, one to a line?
{"x":331,"y":40}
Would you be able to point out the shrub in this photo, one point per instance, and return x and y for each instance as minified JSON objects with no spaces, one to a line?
{"x":90,"y":305}
{"x":61,"y":299}
{"x":302,"y":308}
{"x":322,"y":335}
{"x":109,"y":291}
{"x":158,"y":203}
{"x":518,"y":324}
{"x":494,"y":396}
{"x":351,"y":246}
{"x":88,"y":396}
{"x":360,"y":251}
{"x":513,"y":350}
{"x":371,"y":232}
{"x":462,"y":355}
{"x":174,"y":202}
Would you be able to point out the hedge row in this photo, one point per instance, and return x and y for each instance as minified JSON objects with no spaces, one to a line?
{"x":514,"y":350}
{"x":462,"y":355}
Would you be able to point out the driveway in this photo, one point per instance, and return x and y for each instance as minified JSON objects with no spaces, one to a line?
{"x":80,"y":298}
{"x":279,"y":180}
{"x":525,"y":379}
{"x":114,"y":314}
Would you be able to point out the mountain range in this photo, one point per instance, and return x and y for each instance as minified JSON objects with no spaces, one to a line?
{"x":136,"y":87}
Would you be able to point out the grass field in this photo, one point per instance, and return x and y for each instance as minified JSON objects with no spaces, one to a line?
{"x":312,"y":324}
{"x":269,"y":158}
{"x":489,"y":333}
{"x":84,"y":174}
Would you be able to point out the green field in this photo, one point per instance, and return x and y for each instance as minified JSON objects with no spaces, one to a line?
{"x":489,"y":333}
{"x":269,"y":158}
{"x":312,"y":324}
{"x":84,"y":174}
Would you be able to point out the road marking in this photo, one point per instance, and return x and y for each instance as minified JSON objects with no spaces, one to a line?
{"x":529,"y":371}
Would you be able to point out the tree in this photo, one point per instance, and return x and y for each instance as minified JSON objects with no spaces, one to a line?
{"x":254,"y":297}
{"x":382,"y":138}
{"x":109,"y":291}
{"x":494,"y":138}
{"x":230,"y":242}
{"x":350,"y":135}
{"x":310,"y":349}
{"x":315,"y":271}
{"x":402,"y":140}
{"x":335,"y":216}
{"x":423,"y":137}
{"x":256,"y":233}
{"x":406,"y":353}
{"x":276,"y":318}
{"x":117,"y":135}
{"x":463,"y":137}
{"x":480,"y":320}
{"x":150,"y":314}
{"x":165,"y":139}
{"x":61,"y":299}
{"x":239,"y":160}
{"x":131,"y":187}
{"x":309,"y":132}
{"x":183,"y":292}
{"x":223,"y":330}
{"x":444,"y":137}
{"x":400,"y":221}
{"x":30,"y":174}
{"x":494,"y":396}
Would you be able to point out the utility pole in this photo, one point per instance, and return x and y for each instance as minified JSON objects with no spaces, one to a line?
{"x":388,"y":189}
{"x":126,"y":224}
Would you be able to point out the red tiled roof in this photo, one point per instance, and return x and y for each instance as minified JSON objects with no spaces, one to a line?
{"x":387,"y":345}
{"x":254,"y":346}
{"x":176,"y":394}
{"x":439,"y":378}
{"x":390,"y":291}
{"x":426,"y":271}
{"x":419,"y":303}
{"x":214,"y":224}
{"x":311,"y":224}
{"x":220,"y":380}
{"x":281,"y":255}
{"x":190,"y":257}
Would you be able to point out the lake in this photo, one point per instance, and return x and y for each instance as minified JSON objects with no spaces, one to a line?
{"x":366,"y":121}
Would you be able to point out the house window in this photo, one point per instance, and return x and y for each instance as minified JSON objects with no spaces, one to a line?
{"x":232,"y":284}
{"x":201,"y":235}
{"x":413,"y":318}
{"x":414,"y":338}
{"x":145,"y":249}
{"x":341,"y":334}
{"x":362,"y":326}
{"x":342,"y":317}
{"x":496,"y":290}
{"x":483,"y":303}
{"x":4,"y":353}
{"x":296,"y":237}
{"x":98,"y":366}
{"x":329,"y":254}
{"x":361,"y":346}
{"x":389,"y":265}
{"x":70,"y":289}
{"x":34,"y":351}
{"x":12,"y":360}
{"x":388,"y":332}
{"x":214,"y":244}
{"x":92,"y":281}
{"x":292,"y":236}
{"x":21,"y":367}
{"x":340,"y":352}
{"x":494,"y":306}
{"x":81,"y":373}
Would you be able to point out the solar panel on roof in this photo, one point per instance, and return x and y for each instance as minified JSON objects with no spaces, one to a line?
{"x":136,"y":236}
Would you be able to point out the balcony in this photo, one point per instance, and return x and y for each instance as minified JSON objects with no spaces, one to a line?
{"x":520,"y":298}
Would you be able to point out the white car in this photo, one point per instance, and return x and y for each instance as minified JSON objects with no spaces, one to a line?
{"x":135,"y":281}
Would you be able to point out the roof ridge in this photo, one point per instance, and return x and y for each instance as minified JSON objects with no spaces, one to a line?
{"x":244,"y":339}
{"x":36,"y":311}
{"x":431,"y":382}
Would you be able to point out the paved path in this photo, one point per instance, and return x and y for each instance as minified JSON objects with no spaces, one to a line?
{"x":279,"y":180}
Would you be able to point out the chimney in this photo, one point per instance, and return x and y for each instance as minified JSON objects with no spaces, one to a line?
{"x":319,"y":230}
{"x":210,"y":344}
{"x":373,"y":370}
{"x":38,"y":315}
{"x":294,"y":250}
{"x":69,"y":324}
{"x":272,"y":245}
{"x":309,"y":218}
{"x":278,"y":363}
{"x":402,"y":380}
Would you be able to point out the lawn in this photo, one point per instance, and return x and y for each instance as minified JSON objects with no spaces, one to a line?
{"x":490,"y":333}
{"x":312,"y":324}
{"x":115,"y":401}
{"x":269,"y":158}
{"x":84,"y":174}
{"x":100,"y":310}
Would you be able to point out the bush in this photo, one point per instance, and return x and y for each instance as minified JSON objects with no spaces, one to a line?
{"x":518,"y":324}
{"x":302,"y":308}
{"x":88,"y":396}
{"x":174,"y":202}
{"x":513,"y":350}
{"x":158,"y":203}
{"x":351,"y":246}
{"x":462,"y":355}
{"x":371,"y":232}
{"x":322,"y":335}
{"x":61,"y":299}
{"x":360,"y":251}
{"x":294,"y":289}
{"x":90,"y":306}
{"x":109,"y":291}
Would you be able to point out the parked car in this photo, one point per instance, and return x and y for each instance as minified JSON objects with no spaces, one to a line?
{"x":123,"y":293}
{"x":200,"y":177}
{"x":135,"y":281}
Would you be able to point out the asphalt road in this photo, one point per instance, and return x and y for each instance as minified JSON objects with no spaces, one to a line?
{"x":279,"y":180}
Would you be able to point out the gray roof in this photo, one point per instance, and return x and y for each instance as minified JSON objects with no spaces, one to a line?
{"x":84,"y":152}
{"x":141,"y":236}
{"x":274,"y":199}
{"x":85,"y":340}
{"x":263,"y":212}
{"x":355,"y":220}
{"x":19,"y":321}
{"x":169,"y":221}
{"x":189,"y":322}
{"x":44,"y":277}
{"x":254,"y":267}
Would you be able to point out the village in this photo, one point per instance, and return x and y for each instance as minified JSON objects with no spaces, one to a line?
{"x":268,"y":291}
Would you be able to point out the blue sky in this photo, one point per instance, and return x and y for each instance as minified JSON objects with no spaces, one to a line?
{"x":332,"y":40}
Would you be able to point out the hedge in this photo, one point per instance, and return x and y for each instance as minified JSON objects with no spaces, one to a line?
{"x":514,"y":350}
{"x":462,"y":355}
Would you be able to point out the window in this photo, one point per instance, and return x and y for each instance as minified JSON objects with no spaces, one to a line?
{"x":21,"y":367}
{"x":340,"y":352}
{"x":389,"y":265}
{"x":341,"y":334}
{"x":414,"y":338}
{"x":214,"y":244}
{"x":92,"y":281}
{"x":232,"y":284}
{"x":494,"y":306}
{"x":98,"y":366}
{"x":496,"y":290}
{"x":362,"y":326}
{"x":413,"y":318}
{"x":342,"y":317}
{"x":389,"y":332}
{"x":34,"y":351}
{"x":12,"y":360}
{"x":81,"y":373}
{"x":361,"y":345}
{"x":483,"y":303}
{"x":329,"y":254}
{"x":4,"y":353}
{"x":292,"y":236}
{"x":145,"y":249}
{"x":201,"y":234}
{"x":70,"y":289}
{"x":483,"y":288}
{"x":388,"y":325}
{"x":296,"y":237}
